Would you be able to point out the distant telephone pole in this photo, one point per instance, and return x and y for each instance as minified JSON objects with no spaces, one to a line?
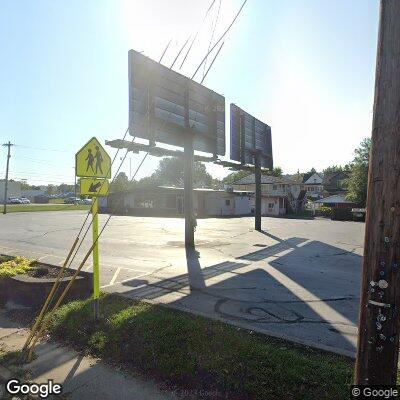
{"x":9,"y":144}
{"x":379,"y":322}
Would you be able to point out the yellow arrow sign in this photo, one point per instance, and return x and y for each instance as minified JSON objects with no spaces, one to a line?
{"x":94,"y":187}
{"x":93,"y":161}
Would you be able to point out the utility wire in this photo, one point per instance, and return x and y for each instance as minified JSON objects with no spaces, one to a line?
{"x":212,"y":62}
{"x":212,"y":35}
{"x":133,"y":177}
{"x":198,"y":30}
{"x":221,"y":37}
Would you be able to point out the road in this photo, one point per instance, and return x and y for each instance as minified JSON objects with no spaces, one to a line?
{"x":298,"y":279}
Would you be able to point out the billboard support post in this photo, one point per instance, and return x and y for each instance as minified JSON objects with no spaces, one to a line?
{"x":188,"y":156}
{"x":257,"y":174}
{"x":188,"y":191}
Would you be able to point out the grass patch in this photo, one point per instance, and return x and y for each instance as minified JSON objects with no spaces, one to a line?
{"x":46,"y":207}
{"x":196,"y":353}
{"x":15,"y":266}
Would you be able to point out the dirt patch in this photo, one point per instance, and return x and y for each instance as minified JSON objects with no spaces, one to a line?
{"x":47,"y":271}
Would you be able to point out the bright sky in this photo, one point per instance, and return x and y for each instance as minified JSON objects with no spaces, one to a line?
{"x":305,"y":67}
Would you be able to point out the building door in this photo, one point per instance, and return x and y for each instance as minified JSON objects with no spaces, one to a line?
{"x":179,"y":204}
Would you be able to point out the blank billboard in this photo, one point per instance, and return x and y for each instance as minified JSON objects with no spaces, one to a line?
{"x":248,"y":135}
{"x":162,"y":103}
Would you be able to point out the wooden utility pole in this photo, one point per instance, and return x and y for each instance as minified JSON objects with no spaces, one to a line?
{"x":9,"y":144}
{"x":379,"y":322}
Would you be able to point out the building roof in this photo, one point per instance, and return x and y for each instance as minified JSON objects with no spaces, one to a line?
{"x":307,"y":179}
{"x":334,"y":200}
{"x":250,"y":179}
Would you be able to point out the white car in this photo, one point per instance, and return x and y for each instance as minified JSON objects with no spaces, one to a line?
{"x":25,"y":200}
{"x":14,"y":200}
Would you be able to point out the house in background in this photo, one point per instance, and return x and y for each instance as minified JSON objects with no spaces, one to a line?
{"x":313,"y":185}
{"x":335,"y":201}
{"x":335,"y":183}
{"x":279,"y":195}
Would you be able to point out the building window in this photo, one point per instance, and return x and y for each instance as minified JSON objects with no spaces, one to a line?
{"x":271,"y":205}
{"x":274,"y":187}
{"x":143,"y":202}
{"x":227,"y":202}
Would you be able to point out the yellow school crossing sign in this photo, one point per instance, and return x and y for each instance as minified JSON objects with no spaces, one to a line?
{"x":93,"y":161}
{"x":93,"y":166}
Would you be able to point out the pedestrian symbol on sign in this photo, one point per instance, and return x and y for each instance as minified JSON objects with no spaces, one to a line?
{"x":89,"y":160}
{"x":92,"y":161}
{"x":99,"y":160}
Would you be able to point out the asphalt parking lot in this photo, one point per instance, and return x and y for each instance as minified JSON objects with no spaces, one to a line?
{"x":298,"y":279}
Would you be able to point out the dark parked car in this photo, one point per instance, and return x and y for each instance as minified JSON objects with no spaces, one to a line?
{"x":41,"y":199}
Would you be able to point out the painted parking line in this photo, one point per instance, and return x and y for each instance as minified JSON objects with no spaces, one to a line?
{"x":126,"y":280}
{"x":115,"y":276}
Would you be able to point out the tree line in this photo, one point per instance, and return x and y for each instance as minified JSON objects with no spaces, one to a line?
{"x":170,"y":173}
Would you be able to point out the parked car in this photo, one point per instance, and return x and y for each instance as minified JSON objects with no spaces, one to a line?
{"x":14,"y":200}
{"x":86,"y":201}
{"x":41,"y":199}
{"x":72,"y":200}
{"x":25,"y":200}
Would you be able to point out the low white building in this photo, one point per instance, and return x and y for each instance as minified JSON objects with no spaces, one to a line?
{"x":31,"y":193}
{"x":13,"y":189}
{"x":168,"y":200}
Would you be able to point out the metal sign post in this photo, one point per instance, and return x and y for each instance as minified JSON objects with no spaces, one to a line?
{"x":96,"y":269}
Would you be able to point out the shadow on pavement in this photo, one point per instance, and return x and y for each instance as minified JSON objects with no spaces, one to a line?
{"x":297,"y":288}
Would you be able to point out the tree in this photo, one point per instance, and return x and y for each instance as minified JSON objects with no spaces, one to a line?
{"x":121,"y":183}
{"x":170,"y":171}
{"x":234,"y":176}
{"x":277,"y":171}
{"x":332,"y":169}
{"x":357,"y":183}
{"x":51,"y":189}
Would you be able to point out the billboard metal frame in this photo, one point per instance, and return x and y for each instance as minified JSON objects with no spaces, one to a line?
{"x":249,"y":136}
{"x":165,"y":106}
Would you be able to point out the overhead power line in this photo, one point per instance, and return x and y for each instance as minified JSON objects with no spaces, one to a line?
{"x":41,"y":148}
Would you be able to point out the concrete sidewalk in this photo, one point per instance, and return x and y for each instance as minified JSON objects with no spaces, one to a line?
{"x":82,"y":377}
